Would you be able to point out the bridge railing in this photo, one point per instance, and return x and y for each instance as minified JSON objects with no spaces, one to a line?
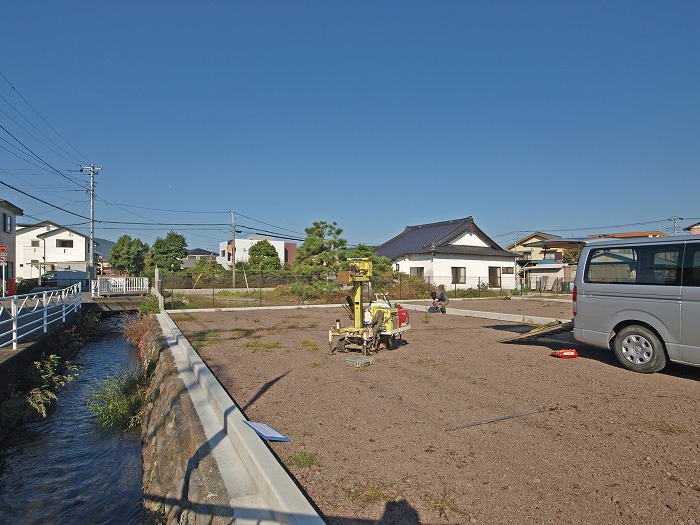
{"x":105,"y":286}
{"x":23,"y":315}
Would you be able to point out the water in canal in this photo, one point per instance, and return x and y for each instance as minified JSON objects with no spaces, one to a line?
{"x":65,"y":468}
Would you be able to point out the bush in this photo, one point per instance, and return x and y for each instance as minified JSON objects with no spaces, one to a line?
{"x":119,"y":399}
{"x":26,"y":286}
{"x":149,"y":305}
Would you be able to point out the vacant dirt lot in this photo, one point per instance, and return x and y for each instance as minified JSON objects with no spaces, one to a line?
{"x":408,"y":439}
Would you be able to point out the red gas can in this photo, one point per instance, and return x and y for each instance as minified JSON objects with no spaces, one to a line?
{"x":403,"y":316}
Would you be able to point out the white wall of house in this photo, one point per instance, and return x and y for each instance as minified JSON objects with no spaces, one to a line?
{"x":469,"y":239}
{"x":438,"y":270}
{"x":49,"y":248}
{"x":243,"y":247}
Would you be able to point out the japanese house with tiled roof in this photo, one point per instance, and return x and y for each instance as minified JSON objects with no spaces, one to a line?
{"x":456,"y":254}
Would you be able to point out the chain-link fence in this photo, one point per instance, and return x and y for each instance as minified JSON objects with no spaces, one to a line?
{"x":182,"y":290}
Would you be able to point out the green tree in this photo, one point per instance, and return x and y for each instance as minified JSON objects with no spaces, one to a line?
{"x":168,"y":253}
{"x":263,"y":255}
{"x":320,"y":253}
{"x":128,"y":255}
{"x":570,"y":256}
{"x":207,"y":267}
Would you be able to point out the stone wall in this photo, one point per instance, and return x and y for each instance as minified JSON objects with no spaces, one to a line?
{"x":181,"y":480}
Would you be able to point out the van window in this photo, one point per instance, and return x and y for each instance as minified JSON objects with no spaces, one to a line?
{"x":646,"y":264}
{"x":691,"y":271}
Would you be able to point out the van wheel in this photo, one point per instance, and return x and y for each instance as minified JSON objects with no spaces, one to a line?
{"x":638,"y":349}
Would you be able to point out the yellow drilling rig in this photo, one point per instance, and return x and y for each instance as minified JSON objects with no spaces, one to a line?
{"x":376,"y":326}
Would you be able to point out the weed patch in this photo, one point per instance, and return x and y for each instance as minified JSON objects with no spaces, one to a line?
{"x":118,"y":400}
{"x":262,"y":346}
{"x":203,"y":339}
{"x":443,"y":504}
{"x":308,"y":344}
{"x":303,"y":460}
{"x":370,"y":492}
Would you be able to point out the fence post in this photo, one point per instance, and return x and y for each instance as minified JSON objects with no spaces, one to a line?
{"x":479,"y":286}
{"x":64,"y":294}
{"x":14,"y":322}
{"x":46,"y":314}
{"x":400,"y":296}
{"x":260,"y":287}
{"x":212,"y":296}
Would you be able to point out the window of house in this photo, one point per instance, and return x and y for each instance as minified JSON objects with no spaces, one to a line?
{"x":64,"y":243}
{"x":35,"y":243}
{"x":507,"y":270}
{"x":459,"y":275}
{"x":549,"y":256}
{"x":7,"y":222}
{"x":494,"y":276}
{"x":417,"y":271}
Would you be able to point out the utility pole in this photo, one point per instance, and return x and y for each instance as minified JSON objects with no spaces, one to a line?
{"x":674,"y":219}
{"x":91,"y":169}
{"x":233,"y":251}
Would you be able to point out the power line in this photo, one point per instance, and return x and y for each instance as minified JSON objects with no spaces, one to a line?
{"x":42,"y":118}
{"x":33,"y":136}
{"x":38,"y":157}
{"x":42,"y":201}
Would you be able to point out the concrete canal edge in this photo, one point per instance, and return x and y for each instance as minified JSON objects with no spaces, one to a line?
{"x":261,"y":490}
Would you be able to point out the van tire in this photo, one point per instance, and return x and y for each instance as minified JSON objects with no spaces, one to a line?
{"x":640,"y":350}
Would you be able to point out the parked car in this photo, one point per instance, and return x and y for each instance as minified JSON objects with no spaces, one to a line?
{"x":642,"y":298}
{"x":49,"y":279}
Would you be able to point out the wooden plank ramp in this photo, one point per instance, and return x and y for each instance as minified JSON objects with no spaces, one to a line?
{"x":555,"y":327}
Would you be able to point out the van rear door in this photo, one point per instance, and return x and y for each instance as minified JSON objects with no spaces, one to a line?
{"x":690,"y":304}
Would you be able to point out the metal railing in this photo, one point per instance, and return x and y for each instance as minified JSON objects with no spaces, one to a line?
{"x":104,"y":286}
{"x":23,"y":315}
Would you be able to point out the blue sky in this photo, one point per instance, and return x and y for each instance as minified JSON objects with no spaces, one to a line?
{"x":558,"y":116}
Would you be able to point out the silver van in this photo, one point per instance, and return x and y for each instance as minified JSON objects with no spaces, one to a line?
{"x":642,"y":298}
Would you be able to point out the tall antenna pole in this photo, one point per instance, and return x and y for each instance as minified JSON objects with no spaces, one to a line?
{"x":91,"y":169}
{"x":233,"y":250}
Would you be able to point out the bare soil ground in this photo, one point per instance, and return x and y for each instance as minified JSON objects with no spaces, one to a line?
{"x":407,"y":440}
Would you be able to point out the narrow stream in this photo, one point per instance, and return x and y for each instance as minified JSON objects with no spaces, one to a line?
{"x":65,"y":468}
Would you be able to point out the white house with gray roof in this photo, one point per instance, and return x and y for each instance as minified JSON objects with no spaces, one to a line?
{"x":455,"y":254}
{"x":48,"y":247}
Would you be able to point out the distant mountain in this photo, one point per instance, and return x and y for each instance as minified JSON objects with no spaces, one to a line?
{"x":104,"y":247}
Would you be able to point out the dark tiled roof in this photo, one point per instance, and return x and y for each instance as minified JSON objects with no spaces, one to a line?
{"x":437,"y":237}
{"x":199,"y":251}
{"x":474,"y":250}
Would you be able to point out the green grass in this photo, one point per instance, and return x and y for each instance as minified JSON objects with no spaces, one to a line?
{"x":443,"y":504}
{"x":303,"y":460}
{"x":309,"y":345}
{"x":370,"y":492}
{"x":262,"y":346}
{"x":118,"y":400}
{"x":203,"y":339}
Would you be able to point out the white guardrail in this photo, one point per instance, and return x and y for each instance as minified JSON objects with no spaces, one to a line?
{"x":105,"y":286}
{"x":22,"y":315}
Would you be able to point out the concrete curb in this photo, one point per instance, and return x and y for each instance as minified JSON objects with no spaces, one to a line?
{"x":282,"y":498}
{"x":514,"y":318}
